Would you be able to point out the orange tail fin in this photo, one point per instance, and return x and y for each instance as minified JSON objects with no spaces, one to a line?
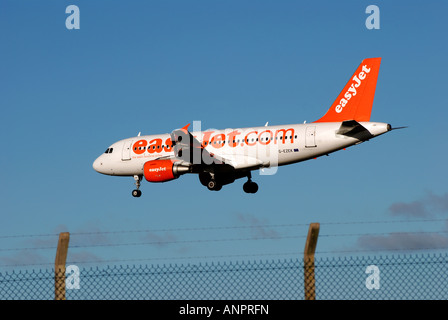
{"x":356,"y":99}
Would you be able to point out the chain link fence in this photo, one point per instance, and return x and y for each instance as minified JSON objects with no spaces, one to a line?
{"x":385,"y":277}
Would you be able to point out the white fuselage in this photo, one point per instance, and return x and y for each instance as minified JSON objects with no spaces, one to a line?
{"x":267,"y":146}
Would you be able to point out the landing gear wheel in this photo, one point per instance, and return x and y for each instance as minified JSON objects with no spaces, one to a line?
{"x":254,"y":187}
{"x":250,"y":187}
{"x":136,"y":193}
{"x":204,"y":178}
{"x":213,"y":185}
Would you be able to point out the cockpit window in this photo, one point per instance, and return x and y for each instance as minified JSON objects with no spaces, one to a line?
{"x":109,"y":150}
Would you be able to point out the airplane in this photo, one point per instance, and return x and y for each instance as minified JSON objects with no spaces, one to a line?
{"x":219,"y":157}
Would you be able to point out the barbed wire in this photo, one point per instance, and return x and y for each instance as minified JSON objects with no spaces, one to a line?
{"x":297,"y":254}
{"x":397,"y":233}
{"x":167,"y":242}
{"x":211,"y":228}
{"x":102,"y":261}
{"x":271,"y":237}
{"x":158,"y":243}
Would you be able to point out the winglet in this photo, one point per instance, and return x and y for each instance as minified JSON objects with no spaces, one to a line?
{"x":356,"y":99}
{"x":185,"y":128}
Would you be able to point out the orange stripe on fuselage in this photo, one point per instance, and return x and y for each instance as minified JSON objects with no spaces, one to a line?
{"x":217,"y":140}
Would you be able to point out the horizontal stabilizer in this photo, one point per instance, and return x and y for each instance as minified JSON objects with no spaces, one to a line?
{"x":354,"y":129}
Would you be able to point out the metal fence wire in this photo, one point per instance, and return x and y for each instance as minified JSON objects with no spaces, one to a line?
{"x":384,"y":277}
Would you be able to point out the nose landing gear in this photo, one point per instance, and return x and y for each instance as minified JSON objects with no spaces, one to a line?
{"x":136,"y":193}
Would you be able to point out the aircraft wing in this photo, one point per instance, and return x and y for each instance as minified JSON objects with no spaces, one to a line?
{"x":187,"y":148}
{"x":240,"y":162}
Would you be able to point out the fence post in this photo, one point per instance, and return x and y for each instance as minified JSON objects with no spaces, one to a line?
{"x":59,"y":266}
{"x":308,"y":261}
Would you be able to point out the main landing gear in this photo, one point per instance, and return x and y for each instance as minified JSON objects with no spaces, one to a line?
{"x":215,"y":183}
{"x":136,"y":193}
{"x":250,"y":186}
{"x":208,"y":179}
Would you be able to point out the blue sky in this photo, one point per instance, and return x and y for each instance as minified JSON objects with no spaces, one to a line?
{"x":153,"y":66}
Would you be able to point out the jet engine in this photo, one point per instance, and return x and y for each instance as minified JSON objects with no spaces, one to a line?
{"x":163,"y":170}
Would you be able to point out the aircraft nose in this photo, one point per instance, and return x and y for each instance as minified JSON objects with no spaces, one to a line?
{"x":98,"y":165}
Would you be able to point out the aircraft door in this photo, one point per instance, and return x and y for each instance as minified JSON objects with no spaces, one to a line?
{"x":310,"y":137}
{"x":126,"y":153}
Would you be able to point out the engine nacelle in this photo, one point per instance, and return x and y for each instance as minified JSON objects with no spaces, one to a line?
{"x":163,"y":170}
